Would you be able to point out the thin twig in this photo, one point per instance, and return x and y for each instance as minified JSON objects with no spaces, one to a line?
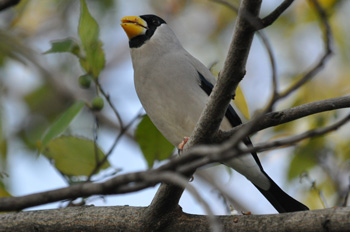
{"x":267,"y":45}
{"x":119,"y":136}
{"x":274,"y":78}
{"x":228,"y":4}
{"x":315,"y":188}
{"x":275,"y":14}
{"x":95,"y":136}
{"x":225,"y":193}
{"x":137,"y":116}
{"x":297,"y":138}
{"x":98,"y":85}
{"x":284,"y":116}
{"x":327,"y":53}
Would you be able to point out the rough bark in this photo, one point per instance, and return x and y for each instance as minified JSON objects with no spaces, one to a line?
{"x":127,"y":218}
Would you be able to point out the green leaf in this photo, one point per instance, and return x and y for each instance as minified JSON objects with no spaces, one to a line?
{"x":64,"y":45}
{"x":88,"y":30}
{"x":61,"y":123}
{"x":74,"y":156}
{"x":152,"y":143}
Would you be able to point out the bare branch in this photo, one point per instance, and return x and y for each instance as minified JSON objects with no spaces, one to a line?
{"x":230,"y":76}
{"x":280,"y":117}
{"x":224,"y":192}
{"x":273,"y":70}
{"x":228,"y":4}
{"x":274,"y":15}
{"x":267,"y":45}
{"x":115,"y":111}
{"x":296,"y":138}
{"x":122,"y":132}
{"x":327,"y":53}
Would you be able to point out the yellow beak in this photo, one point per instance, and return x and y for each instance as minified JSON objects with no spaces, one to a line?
{"x":133,"y":26}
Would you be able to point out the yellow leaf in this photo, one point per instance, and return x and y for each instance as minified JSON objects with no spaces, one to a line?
{"x":241,"y":103}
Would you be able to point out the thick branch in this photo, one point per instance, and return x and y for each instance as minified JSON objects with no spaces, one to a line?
{"x":230,"y":76}
{"x":126,"y":218}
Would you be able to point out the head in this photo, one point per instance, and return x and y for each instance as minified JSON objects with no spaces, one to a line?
{"x":143,"y":28}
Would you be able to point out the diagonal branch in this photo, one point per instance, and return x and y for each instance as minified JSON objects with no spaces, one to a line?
{"x":275,"y":14}
{"x":280,"y":117}
{"x":327,"y":53}
{"x":230,"y":76}
{"x":297,"y":138}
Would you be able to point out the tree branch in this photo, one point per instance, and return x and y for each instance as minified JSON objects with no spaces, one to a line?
{"x":296,"y":138}
{"x":319,"y":65}
{"x":280,"y":117}
{"x":230,"y":76}
{"x":275,"y":14}
{"x":126,"y":218}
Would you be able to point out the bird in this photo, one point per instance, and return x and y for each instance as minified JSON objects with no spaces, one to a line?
{"x":173,"y":88}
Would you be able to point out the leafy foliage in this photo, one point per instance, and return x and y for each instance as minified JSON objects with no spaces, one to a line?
{"x":94,"y":59}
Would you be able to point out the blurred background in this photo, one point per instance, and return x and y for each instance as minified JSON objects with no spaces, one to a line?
{"x":36,"y":88}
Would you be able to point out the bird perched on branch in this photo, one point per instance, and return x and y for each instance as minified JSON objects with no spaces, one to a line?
{"x":173,"y":88}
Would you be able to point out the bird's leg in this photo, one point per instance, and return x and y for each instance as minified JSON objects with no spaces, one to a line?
{"x":180,"y":147}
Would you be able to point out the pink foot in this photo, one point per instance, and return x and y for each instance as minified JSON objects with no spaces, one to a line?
{"x":182,"y":144}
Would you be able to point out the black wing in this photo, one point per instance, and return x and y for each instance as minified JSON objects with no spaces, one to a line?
{"x":230,"y":114}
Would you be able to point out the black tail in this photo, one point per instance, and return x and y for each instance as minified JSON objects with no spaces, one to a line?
{"x":282,"y":202}
{"x":275,"y":195}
